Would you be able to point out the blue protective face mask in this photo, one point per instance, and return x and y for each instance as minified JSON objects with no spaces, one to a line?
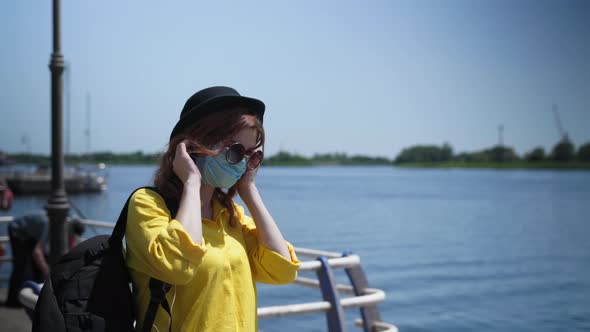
{"x":217,"y":172}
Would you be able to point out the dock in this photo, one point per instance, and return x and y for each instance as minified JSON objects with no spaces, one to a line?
{"x":13,"y":319}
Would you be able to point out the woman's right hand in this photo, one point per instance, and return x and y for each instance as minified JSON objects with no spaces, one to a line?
{"x":184,"y":167}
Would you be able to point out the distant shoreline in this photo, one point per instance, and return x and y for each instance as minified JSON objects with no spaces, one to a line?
{"x":474,"y":165}
{"x":573,"y":165}
{"x":496,"y":158}
{"x":501,"y":165}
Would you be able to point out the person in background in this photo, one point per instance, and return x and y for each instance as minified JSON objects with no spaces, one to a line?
{"x":28,"y":240}
{"x":2,"y":251}
{"x":210,"y":251}
{"x":6,"y":196}
{"x":6,"y":200}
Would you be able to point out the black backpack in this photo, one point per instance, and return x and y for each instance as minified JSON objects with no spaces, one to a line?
{"x":89,"y":288}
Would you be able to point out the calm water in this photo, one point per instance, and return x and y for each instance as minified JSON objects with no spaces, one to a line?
{"x":455,"y":250}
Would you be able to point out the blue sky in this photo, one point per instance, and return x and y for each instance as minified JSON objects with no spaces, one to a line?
{"x":362,"y":77}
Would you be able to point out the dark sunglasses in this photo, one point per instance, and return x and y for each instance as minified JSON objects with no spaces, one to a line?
{"x":235,"y":152}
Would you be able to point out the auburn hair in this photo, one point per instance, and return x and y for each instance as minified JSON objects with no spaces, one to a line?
{"x":201,"y":137}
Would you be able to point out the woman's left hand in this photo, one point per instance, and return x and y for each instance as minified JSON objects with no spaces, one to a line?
{"x":247,"y":182}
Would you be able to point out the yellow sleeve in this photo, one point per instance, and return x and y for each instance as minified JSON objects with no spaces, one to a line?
{"x":158,"y":245}
{"x":267,"y":265}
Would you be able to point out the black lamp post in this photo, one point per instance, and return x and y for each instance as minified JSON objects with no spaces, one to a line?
{"x":57,"y":204}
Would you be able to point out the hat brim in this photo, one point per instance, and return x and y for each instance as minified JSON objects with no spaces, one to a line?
{"x":215,"y":104}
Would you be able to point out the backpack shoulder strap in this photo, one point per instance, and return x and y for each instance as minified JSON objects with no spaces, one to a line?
{"x":119,"y":231}
{"x":158,"y":288}
{"x":121,"y":225}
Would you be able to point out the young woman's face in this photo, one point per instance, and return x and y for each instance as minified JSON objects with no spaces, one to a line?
{"x":244,"y":145}
{"x":236,"y":155}
{"x":246,"y":137}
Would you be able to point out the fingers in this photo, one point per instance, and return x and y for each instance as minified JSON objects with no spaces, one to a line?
{"x":181,"y":148}
{"x":249,"y":175}
{"x":183,"y":166}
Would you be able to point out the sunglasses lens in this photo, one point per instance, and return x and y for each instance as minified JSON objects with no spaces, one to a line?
{"x":235,"y":154}
{"x":255,"y":160}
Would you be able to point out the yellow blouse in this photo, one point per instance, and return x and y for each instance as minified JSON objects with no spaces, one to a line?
{"x":214,"y":285}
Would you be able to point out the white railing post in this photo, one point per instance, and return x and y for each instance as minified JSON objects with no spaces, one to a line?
{"x":335,"y":316}
{"x":369,"y":313}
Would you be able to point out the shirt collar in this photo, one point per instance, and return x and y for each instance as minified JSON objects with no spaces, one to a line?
{"x":218,"y":208}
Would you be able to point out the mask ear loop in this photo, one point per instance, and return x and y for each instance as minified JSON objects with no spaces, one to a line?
{"x":171,"y":308}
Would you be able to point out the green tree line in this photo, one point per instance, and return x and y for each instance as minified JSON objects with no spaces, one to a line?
{"x":282,"y":158}
{"x":563,"y":151}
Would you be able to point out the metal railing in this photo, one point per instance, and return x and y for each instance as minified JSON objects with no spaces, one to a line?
{"x":323,"y":263}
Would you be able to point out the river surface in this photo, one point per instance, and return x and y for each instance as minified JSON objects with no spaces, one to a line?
{"x":454,"y":249}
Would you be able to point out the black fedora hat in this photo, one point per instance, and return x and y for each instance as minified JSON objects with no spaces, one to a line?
{"x":214,"y":99}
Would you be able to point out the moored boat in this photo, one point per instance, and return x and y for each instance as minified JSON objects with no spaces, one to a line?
{"x":38,"y":181}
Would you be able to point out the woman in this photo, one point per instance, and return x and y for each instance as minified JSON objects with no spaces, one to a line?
{"x":211,"y":252}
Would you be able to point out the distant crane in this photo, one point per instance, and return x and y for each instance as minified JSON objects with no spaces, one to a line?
{"x":562,"y":133}
{"x":26,"y":141}
{"x":87,"y":131}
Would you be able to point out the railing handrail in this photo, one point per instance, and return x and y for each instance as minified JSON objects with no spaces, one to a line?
{"x":338,"y":263}
{"x":372,"y":296}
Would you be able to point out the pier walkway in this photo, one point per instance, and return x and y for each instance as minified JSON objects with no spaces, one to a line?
{"x":13,"y":319}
